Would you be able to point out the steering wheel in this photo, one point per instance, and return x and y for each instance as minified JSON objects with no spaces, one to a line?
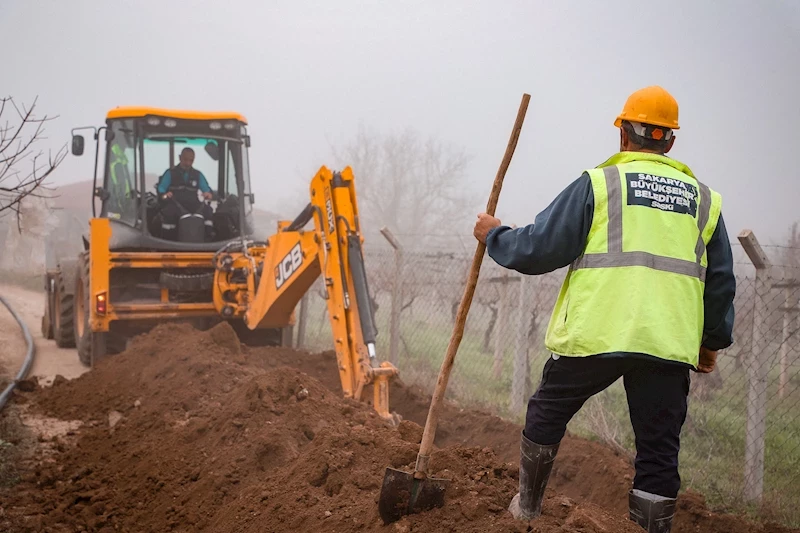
{"x":150,"y":200}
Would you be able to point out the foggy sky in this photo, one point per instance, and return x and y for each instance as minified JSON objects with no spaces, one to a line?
{"x":306,"y":74}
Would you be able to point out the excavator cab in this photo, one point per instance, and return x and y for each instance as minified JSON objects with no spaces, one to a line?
{"x":135,"y":191}
{"x":151,"y":239}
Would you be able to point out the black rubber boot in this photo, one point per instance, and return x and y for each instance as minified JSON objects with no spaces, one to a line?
{"x":535,"y":465}
{"x":651,"y":511}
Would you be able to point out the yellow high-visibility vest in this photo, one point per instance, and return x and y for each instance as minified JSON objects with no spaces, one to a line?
{"x":638,"y":286}
{"x":120,"y":161}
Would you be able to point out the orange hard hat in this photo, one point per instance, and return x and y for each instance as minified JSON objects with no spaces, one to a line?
{"x":651,"y":105}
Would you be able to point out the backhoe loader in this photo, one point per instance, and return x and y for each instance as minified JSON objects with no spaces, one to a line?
{"x":136,"y":271}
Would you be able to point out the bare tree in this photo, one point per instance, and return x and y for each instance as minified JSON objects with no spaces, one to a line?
{"x":790,"y":252}
{"x":23,"y":169}
{"x":412,"y":185}
{"x":790,"y":309}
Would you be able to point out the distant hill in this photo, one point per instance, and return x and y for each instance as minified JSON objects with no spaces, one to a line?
{"x":69,"y":207}
{"x":73,"y":196}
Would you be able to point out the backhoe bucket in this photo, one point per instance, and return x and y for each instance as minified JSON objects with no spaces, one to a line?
{"x":402,"y":494}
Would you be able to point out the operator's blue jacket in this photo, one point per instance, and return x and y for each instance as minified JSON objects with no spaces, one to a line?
{"x":558,"y":237}
{"x":166,"y":180}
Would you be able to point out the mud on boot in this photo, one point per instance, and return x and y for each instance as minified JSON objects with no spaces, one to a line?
{"x":652,"y":512}
{"x":535,"y":465}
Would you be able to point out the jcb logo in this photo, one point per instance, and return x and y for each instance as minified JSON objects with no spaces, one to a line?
{"x":288,"y":266}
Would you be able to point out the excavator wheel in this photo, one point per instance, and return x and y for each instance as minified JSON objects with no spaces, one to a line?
{"x":63,"y":330}
{"x":47,"y":328}
{"x":91,"y":344}
{"x":197,"y":282}
{"x":47,"y":316}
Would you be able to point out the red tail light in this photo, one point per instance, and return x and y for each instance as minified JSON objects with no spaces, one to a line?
{"x":101,"y":304}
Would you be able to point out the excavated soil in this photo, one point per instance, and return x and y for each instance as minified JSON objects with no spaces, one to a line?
{"x":190,"y":431}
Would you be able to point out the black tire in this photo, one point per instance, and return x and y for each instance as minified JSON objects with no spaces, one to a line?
{"x":47,"y":317}
{"x":47,"y":328}
{"x":201,"y":282}
{"x":63,"y":319}
{"x":92,"y":346}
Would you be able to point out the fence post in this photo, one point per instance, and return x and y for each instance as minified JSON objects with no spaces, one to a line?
{"x":788,"y":319}
{"x":501,"y":327}
{"x":519,"y":380}
{"x":756,"y":368}
{"x":785,"y":340}
{"x":790,"y":311}
{"x":302,"y":320}
{"x":397,"y":297}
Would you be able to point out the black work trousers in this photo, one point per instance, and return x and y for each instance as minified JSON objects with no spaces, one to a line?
{"x":171,"y":213}
{"x":657,"y":400}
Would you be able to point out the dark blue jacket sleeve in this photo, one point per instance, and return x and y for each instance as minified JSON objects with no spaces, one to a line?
{"x":719,"y":292}
{"x":203,"y":183}
{"x":164,"y":182}
{"x":555,"y":239}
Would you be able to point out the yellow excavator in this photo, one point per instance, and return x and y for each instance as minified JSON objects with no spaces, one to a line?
{"x":141,"y":267}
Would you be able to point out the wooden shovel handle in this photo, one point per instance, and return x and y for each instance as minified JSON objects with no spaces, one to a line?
{"x":429,"y":433}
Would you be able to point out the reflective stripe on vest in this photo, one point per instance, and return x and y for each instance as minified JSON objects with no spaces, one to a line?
{"x":123,"y":164}
{"x":617,"y":258}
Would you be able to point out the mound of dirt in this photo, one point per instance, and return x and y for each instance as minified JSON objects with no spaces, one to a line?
{"x":189,"y":431}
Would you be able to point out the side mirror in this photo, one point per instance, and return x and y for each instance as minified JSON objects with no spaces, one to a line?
{"x":252,"y":198}
{"x":212,"y":149}
{"x":247,"y":141}
{"x":77,"y":144}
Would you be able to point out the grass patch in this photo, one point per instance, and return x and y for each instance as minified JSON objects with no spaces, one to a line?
{"x":10,"y":454}
{"x":11,"y":438}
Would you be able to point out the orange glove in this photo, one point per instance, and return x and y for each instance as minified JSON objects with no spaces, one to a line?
{"x":708,"y":360}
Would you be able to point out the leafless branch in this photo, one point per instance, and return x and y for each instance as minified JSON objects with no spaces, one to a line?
{"x":605,"y":425}
{"x":408,"y":304}
{"x":413,"y":185}
{"x":17,"y":141}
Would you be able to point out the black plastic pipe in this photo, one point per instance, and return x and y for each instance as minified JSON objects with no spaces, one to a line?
{"x":27,"y":364}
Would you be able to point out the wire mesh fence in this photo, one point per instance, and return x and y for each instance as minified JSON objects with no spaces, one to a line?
{"x":741,"y":440}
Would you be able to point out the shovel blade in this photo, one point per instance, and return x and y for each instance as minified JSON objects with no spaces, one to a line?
{"x":402,"y":494}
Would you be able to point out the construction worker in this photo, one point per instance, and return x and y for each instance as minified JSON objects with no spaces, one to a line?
{"x":648,"y":296}
{"x":120,"y":202}
{"x":181,"y":183}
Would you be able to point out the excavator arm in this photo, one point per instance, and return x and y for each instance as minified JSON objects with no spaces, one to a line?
{"x":262,"y":283}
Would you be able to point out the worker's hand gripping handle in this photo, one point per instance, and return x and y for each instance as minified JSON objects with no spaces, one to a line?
{"x":429,"y":433}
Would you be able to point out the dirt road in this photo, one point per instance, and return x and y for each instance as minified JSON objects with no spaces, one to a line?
{"x":50,"y":360}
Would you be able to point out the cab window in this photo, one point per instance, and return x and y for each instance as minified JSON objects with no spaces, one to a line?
{"x":120,"y":180}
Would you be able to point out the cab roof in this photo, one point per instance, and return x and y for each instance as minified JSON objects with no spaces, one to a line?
{"x":137,"y":112}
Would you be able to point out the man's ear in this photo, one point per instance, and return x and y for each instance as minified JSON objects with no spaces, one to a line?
{"x":669,"y":144}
